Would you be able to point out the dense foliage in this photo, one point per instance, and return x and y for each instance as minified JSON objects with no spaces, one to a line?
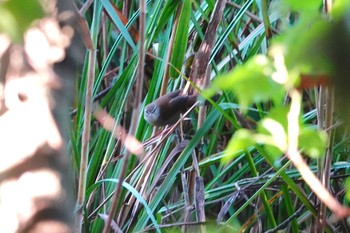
{"x":241,"y":168}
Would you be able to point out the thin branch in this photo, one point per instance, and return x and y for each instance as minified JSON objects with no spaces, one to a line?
{"x":85,"y":140}
{"x":294,"y":155}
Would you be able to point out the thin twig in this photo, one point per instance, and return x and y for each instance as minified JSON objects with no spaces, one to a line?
{"x":285,"y":223}
{"x":169,"y":52}
{"x":251,"y":15}
{"x":85,"y":140}
{"x":267,"y":24}
{"x":326,"y":161}
{"x":85,"y":7}
{"x":172,"y":225}
{"x":294,"y":155}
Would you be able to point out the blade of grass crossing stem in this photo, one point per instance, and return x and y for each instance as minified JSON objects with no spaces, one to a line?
{"x":117,"y":21}
{"x":120,"y":83}
{"x":107,"y":62}
{"x":119,"y":109}
{"x":105,"y":142}
{"x":235,"y":20}
{"x":223,"y":170}
{"x":256,"y":47}
{"x":195,"y":25}
{"x":241,"y":172}
{"x":134,"y":192}
{"x":202,"y":11}
{"x":96,"y":150}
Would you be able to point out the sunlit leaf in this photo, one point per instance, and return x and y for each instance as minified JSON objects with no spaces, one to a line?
{"x":276,"y":130}
{"x":274,"y":126}
{"x":278,"y":114}
{"x":244,"y":139}
{"x":252,"y":82}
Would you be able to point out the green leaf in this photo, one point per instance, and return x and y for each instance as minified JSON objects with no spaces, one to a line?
{"x":312,"y":142}
{"x":347,"y":187}
{"x":243,"y":139}
{"x":274,"y":153}
{"x":17,"y":16}
{"x":252,"y":82}
{"x":275,"y":126}
{"x":180,"y":40}
{"x":273,"y":134}
{"x":278,"y":114}
{"x":276,"y":131}
{"x":304,"y":5}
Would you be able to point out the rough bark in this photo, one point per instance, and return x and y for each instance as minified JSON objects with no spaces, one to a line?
{"x":36,"y":90}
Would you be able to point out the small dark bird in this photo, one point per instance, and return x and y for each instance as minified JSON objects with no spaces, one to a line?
{"x":166,"y":110}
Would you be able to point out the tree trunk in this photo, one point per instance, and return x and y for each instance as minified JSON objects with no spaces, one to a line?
{"x":36,"y":91}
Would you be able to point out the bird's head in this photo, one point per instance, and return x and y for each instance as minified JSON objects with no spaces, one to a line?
{"x":151,"y":113}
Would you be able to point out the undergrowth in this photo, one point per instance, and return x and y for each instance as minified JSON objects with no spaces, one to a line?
{"x":233,"y":167}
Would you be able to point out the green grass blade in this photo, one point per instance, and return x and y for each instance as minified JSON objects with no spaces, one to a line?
{"x":181,"y":38}
{"x":109,"y":8}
